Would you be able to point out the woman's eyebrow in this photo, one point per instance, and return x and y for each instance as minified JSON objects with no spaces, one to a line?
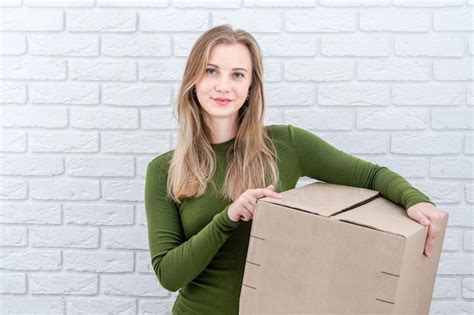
{"x":210,"y":64}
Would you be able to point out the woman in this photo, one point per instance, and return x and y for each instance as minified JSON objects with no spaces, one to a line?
{"x":199,"y":233}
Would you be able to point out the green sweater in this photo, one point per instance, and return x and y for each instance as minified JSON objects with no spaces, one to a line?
{"x":197,"y":248}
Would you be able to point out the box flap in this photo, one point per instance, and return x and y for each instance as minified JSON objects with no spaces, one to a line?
{"x":384,"y":215}
{"x":323,"y":198}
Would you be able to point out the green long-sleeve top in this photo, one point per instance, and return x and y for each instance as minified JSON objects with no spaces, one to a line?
{"x":197,"y":249}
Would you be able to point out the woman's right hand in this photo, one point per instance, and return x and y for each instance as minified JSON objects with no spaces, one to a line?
{"x":244,"y":206}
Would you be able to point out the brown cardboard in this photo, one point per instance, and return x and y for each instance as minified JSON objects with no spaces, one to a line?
{"x":333,"y":249}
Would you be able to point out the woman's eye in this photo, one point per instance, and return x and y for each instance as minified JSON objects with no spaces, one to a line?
{"x":209,"y":69}
{"x":238,"y":74}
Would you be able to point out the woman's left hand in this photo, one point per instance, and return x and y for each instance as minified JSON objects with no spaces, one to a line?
{"x":428,"y":215}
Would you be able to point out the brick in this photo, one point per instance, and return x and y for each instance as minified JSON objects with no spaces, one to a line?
{"x":22,"y":213}
{"x":459,"y":216}
{"x":388,"y":19}
{"x":468,"y":288}
{"x":89,"y":118}
{"x":285,"y":94}
{"x":133,"y":3}
{"x":96,"y":166}
{"x":452,"y":239}
{"x":115,"y":142}
{"x":67,"y":237}
{"x":156,"y":306}
{"x":65,"y":189}
{"x":453,"y":20}
{"x":355,"y":45}
{"x":444,"y":193}
{"x":97,"y":305}
{"x":146,"y":94}
{"x":96,"y":262}
{"x":16,"y":19}
{"x":64,"y":284}
{"x":428,"y":3}
{"x":229,"y":4}
{"x":318,"y":70}
{"x":161,"y":71}
{"x":455,"y":264}
{"x":452,"y":119}
{"x":98,"y":214}
{"x":357,"y":143}
{"x":158,"y":119}
{"x":279,"y":3}
{"x":30,"y":260}
{"x":392,"y":119}
{"x":406,"y":166}
{"x":353,"y":94}
{"x":393,"y":69}
{"x":132,"y":285}
{"x":446,"y":288}
{"x":469,"y":188}
{"x":26,"y":303}
{"x":13,"y":141}
{"x":321,"y":20}
{"x":453,"y":70}
{"x":254,"y":20}
{"x":64,"y":141}
{"x":420,"y":143}
{"x":102,"y":71}
{"x":59,"y":3}
{"x":12,"y":93}
{"x":294,"y":45}
{"x":173,"y":20}
{"x":333,"y":119}
{"x":125,"y":238}
{"x":124,"y":190}
{"x":31,"y":117}
{"x":32,"y":68}
{"x":10,"y":3}
{"x":136,"y":45}
{"x":85,"y":20}
{"x":69,"y":93}
{"x":449,"y":308}
{"x":429,"y":46}
{"x":63,"y":45}
{"x":444,"y":167}
{"x":12,"y":44}
{"x":432,"y":95}
{"x":13,"y":236}
{"x":13,"y":189}
{"x":12,"y":283}
{"x":468,"y":144}
{"x":468,"y":242}
{"x":183,"y":44}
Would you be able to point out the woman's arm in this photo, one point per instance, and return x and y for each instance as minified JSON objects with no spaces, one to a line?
{"x":322,"y":161}
{"x":175,"y":261}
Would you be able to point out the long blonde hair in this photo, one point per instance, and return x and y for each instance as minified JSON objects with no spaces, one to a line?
{"x":251,"y":158}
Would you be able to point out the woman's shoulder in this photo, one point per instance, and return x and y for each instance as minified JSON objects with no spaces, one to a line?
{"x":162,"y":161}
{"x":278,"y":131}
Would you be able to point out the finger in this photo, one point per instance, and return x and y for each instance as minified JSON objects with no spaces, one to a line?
{"x":432,"y":232}
{"x":420,"y":218}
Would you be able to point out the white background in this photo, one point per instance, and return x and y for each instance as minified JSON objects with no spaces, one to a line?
{"x":87,"y":89}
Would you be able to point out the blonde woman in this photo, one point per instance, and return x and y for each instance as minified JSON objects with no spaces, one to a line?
{"x":200,"y":197}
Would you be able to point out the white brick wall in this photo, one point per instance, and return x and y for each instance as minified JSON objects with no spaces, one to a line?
{"x":86,"y":93}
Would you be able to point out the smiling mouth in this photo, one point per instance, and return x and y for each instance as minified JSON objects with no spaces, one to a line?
{"x":221,"y":102}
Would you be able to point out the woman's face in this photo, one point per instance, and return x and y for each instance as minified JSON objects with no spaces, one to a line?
{"x":227,"y":76}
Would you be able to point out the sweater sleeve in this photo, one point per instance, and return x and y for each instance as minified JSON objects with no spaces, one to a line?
{"x":321,"y":161}
{"x":175,"y":261}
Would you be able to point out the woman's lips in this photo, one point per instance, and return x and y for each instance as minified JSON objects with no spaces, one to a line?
{"x":221,"y":102}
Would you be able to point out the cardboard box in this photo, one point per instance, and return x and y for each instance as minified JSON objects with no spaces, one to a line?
{"x":333,"y":249}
